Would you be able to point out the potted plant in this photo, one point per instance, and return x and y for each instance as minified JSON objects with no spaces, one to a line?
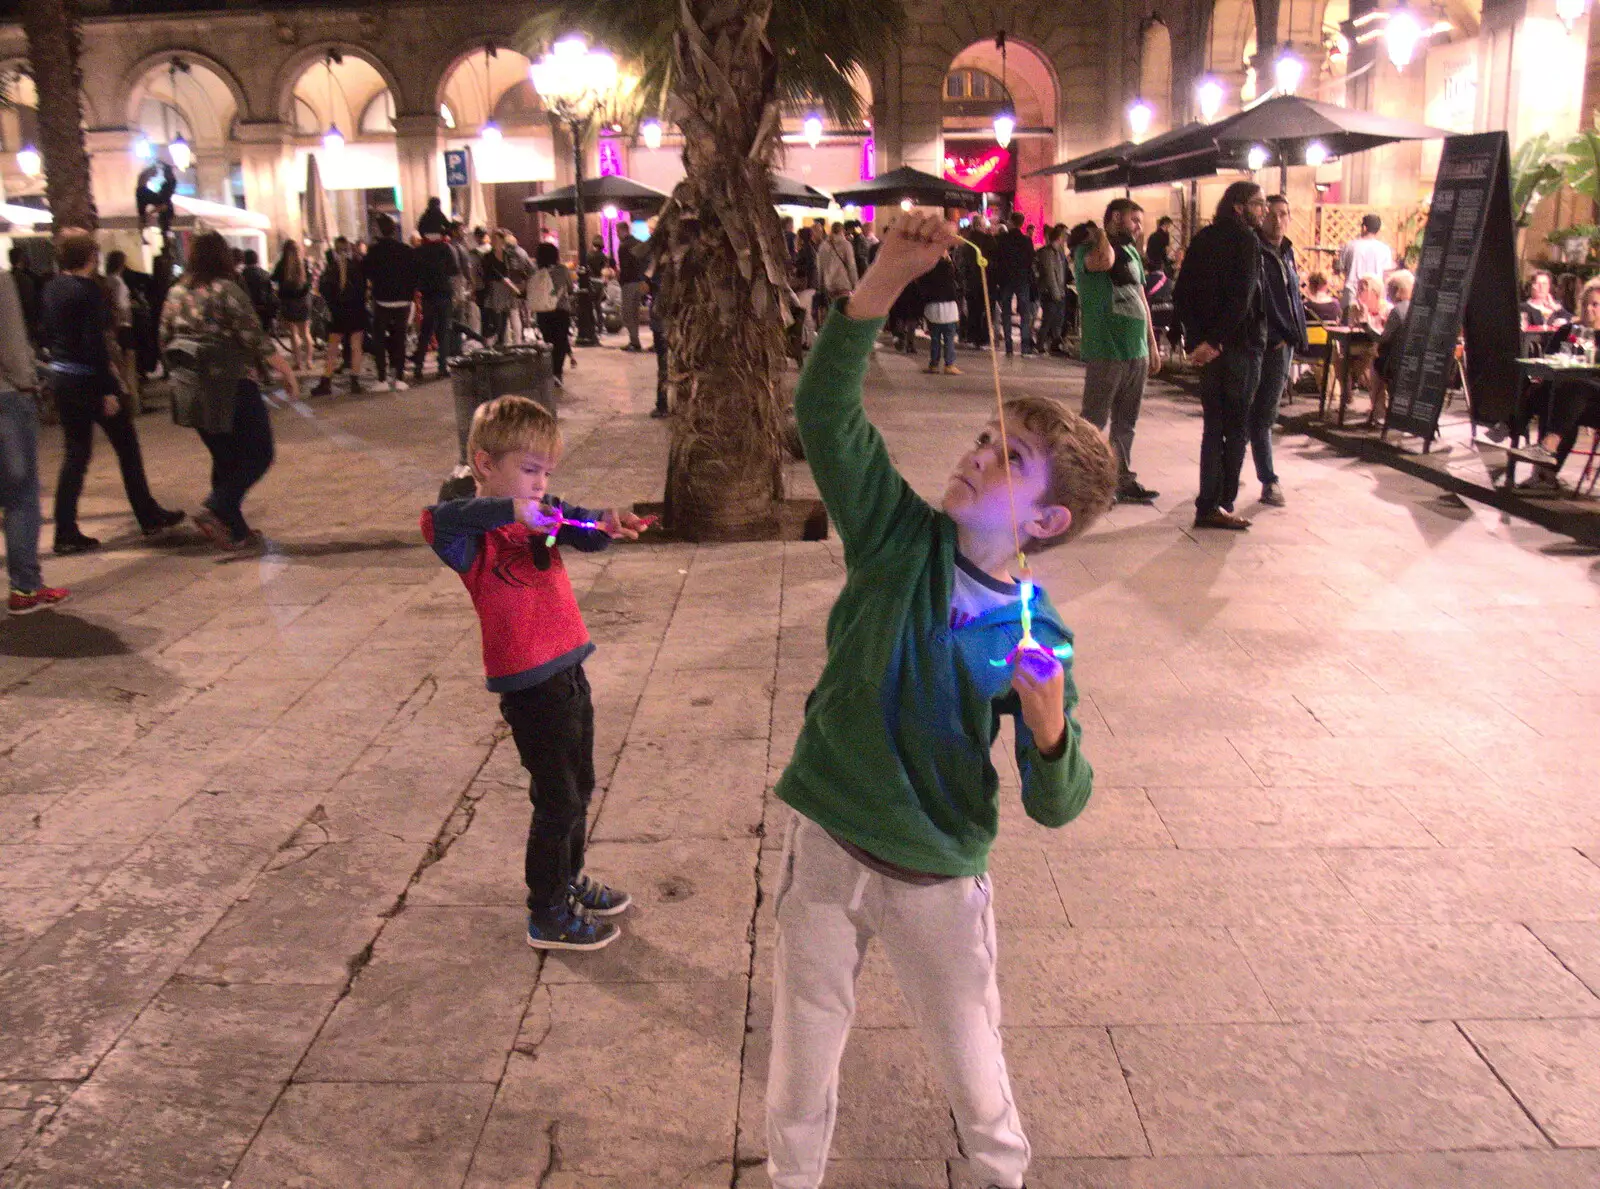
{"x":1574,"y":243}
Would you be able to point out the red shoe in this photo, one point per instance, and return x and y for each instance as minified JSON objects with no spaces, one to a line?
{"x":26,"y":602}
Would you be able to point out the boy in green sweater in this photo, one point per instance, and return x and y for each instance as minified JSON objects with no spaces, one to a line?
{"x":895,"y":795}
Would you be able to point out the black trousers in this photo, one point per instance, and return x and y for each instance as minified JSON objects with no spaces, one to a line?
{"x":80,"y":404}
{"x":553,"y":725}
{"x":556,"y":328}
{"x":239,"y":458}
{"x":389,"y":328}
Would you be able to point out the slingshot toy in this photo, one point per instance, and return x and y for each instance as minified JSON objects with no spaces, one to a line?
{"x":563,"y":520}
{"x":1025,"y":573}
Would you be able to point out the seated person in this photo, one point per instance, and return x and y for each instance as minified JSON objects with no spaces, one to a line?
{"x":1542,"y":308}
{"x":1322,"y":303}
{"x":1572,"y":403}
{"x":1369,"y":311}
{"x":1386,"y":358}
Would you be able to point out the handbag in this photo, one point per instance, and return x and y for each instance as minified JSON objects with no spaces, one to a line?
{"x":205,"y":372}
{"x":542,"y":293}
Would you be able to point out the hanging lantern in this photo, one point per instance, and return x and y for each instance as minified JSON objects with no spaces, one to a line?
{"x":1140,"y":115}
{"x":29,"y":161}
{"x":813,"y":130}
{"x":1004,"y":125}
{"x":180,"y":152}
{"x":1210,"y":95}
{"x":1287,"y":72}
{"x":333,"y":139}
{"x":490,"y":133}
{"x":651,"y":131}
{"x":1571,"y":11}
{"x":1401,"y":36}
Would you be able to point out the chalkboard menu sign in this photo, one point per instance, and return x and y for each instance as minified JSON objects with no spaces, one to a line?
{"x":1466,"y":279}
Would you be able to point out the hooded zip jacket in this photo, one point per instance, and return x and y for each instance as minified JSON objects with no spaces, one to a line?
{"x":894,"y":753}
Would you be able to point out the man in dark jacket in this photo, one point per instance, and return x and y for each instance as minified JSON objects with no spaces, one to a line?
{"x":1219,"y":304}
{"x":257,"y":284}
{"x":344,"y":287}
{"x":1011,"y":280}
{"x":630,"y":275}
{"x":438,"y":272}
{"x":392,"y":273}
{"x":1286,"y":334}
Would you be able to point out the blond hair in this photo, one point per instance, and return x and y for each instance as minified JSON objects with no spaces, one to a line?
{"x":510,"y":423}
{"x":1083,"y":471}
{"x":1400,"y":285}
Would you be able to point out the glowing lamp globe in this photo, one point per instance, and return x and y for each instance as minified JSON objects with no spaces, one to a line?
{"x":1316,"y":153}
{"x":1257,"y":159}
{"x":1570,"y":11}
{"x":1401,"y":37}
{"x":813,"y":130}
{"x":144,"y":150}
{"x":29,"y":161}
{"x":332,"y":139}
{"x":180,"y":152}
{"x":609,"y":210}
{"x":490,"y":133}
{"x":1209,"y":93}
{"x":1287,"y":72}
{"x":651,"y":131}
{"x":905,"y":204}
{"x":1140,"y":114}
{"x":1004,"y":125}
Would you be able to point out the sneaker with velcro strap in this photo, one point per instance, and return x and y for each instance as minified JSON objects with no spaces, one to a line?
{"x":596,"y":899}
{"x":569,"y":928}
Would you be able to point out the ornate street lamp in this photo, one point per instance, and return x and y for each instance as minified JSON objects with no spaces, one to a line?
{"x":1288,"y":70}
{"x":574,"y":81}
{"x":1140,"y":114}
{"x":1401,"y":36}
{"x":180,"y":152}
{"x":1209,"y":93}
{"x":490,"y":133}
{"x":1005,"y":121}
{"x":332,"y":139}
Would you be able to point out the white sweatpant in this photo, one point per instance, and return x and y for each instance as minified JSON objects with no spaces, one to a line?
{"x":941,"y":940}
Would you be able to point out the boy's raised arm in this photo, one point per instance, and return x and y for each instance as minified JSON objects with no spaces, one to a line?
{"x":455,"y":528}
{"x":864,"y":493}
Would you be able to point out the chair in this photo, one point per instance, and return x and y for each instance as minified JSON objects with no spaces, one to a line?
{"x":1315,"y":357}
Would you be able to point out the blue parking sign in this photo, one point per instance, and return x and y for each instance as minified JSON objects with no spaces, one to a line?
{"x":455,"y":167}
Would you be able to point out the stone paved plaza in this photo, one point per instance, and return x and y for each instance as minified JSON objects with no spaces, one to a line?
{"x":1331,"y":920}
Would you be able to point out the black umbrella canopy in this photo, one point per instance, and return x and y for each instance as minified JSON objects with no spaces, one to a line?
{"x":631,"y":196}
{"x":788,"y":191}
{"x":899,"y":184}
{"x":1105,"y":168}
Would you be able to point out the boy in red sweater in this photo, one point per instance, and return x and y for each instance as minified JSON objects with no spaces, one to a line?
{"x":534,"y":646}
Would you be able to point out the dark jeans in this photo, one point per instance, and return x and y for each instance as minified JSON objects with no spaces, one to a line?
{"x":389,"y":328}
{"x":1264,"y":408}
{"x":437,"y":323}
{"x":1022,"y":295}
{"x":1227,"y":386}
{"x":553,"y":725}
{"x":239,"y":458}
{"x":943,"y":335}
{"x":80,"y":405}
{"x":19,"y":488}
{"x":658,"y":338}
{"x":1570,"y":406}
{"x":556,"y":328}
{"x":1052,"y":322}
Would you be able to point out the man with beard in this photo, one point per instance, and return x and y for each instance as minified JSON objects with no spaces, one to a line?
{"x":1119,"y":342}
{"x":1220,"y":306}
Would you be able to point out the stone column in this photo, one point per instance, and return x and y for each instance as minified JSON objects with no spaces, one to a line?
{"x":113,"y":170}
{"x":419,"y":148}
{"x":213,"y":172}
{"x":267,"y":161}
{"x":1531,"y":70}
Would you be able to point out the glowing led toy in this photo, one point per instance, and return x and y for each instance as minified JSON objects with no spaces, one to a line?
{"x":1027,"y":644}
{"x":550,"y":540}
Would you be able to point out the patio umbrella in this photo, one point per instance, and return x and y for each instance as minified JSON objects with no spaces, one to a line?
{"x":316,"y":206}
{"x":793,"y":192}
{"x":1285,"y":126}
{"x":1105,"y":169}
{"x":921,"y":188}
{"x":631,"y":196}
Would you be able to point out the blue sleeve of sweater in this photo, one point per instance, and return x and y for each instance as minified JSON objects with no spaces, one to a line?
{"x":456,"y":528}
{"x":585,"y":540}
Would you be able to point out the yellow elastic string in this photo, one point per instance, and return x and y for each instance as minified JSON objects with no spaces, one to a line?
{"x":1025,"y":572}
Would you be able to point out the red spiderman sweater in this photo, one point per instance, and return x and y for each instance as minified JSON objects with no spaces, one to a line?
{"x":532,"y":628}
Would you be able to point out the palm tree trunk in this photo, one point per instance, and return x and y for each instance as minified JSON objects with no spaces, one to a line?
{"x":54,"y":41}
{"x":724,"y":280}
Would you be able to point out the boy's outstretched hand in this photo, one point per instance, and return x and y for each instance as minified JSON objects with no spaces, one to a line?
{"x":623,"y":523}
{"x":1039,"y":681}
{"x":911,"y":246}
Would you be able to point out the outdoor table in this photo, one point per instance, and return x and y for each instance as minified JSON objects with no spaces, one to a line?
{"x":1346,"y":336}
{"x":1529,"y":372}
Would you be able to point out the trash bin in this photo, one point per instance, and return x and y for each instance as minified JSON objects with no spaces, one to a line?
{"x":480,"y":377}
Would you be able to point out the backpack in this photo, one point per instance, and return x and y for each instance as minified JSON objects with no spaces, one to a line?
{"x":542,"y":292}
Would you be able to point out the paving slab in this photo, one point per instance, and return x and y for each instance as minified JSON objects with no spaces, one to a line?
{"x":1476,"y":884}
{"x":1503,"y":1170}
{"x":1576,"y":946}
{"x":1253,"y":817}
{"x":1553,"y":1067}
{"x":1204,"y":1172}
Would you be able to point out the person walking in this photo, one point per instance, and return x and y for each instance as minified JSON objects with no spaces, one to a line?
{"x":518,"y":268}
{"x":75,"y":327}
{"x":550,"y":297}
{"x":19,"y":460}
{"x":392,"y":273}
{"x":438,"y":280}
{"x":126,"y":357}
{"x":212,"y":343}
{"x":936,"y":290}
{"x":293,"y":283}
{"x":1220,"y":307}
{"x":836,"y":263}
{"x":1118,"y":343}
{"x":1366,"y":255}
{"x":1286,"y":334}
{"x":630,"y":275}
{"x":344,"y":288}
{"x":258,"y":287}
{"x":1011,"y":282}
{"x":1050,"y":282}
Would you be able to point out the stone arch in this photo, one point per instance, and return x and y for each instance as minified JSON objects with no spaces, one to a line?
{"x":1155,"y":74}
{"x":1029,"y":77}
{"x":136,"y":82}
{"x":1230,"y":36}
{"x":312,"y":57}
{"x":474,"y":92}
